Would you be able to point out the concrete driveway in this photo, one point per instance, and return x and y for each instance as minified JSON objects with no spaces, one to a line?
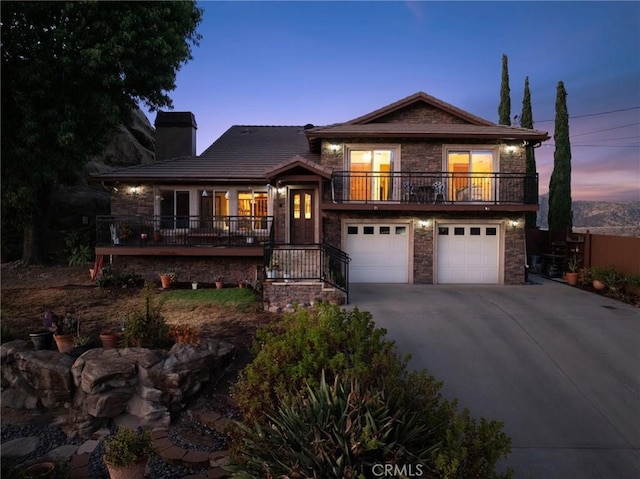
{"x":560,"y":367}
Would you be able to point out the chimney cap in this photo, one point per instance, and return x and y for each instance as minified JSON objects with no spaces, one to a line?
{"x":175,"y":118}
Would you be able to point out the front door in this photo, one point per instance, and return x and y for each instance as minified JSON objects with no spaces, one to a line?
{"x":302,"y":220}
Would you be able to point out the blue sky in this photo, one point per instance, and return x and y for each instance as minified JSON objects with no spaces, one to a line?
{"x":293,"y":63}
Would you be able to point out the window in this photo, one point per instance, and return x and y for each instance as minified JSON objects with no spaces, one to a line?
{"x":174,"y":209}
{"x":370,"y":171}
{"x":352,"y":230}
{"x":252,"y":204}
{"x":471,"y":171}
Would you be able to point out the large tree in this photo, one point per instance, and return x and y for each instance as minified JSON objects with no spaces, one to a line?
{"x":504,"y":109}
{"x":526,"y":121}
{"x":560,"y":215}
{"x":71,"y":72}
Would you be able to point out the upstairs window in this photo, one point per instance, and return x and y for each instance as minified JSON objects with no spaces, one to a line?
{"x":370,"y":171}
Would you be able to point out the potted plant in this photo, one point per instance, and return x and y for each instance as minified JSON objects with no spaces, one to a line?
{"x":127,"y":453}
{"x":167,"y":279}
{"x":219,"y":282}
{"x":64,"y":329}
{"x":272,"y":270}
{"x":111,"y":339}
{"x":597,"y":276}
{"x":571,"y":276}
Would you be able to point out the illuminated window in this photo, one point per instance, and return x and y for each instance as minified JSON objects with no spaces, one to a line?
{"x":370,"y":173}
{"x":252,"y":204}
{"x":472,"y":174}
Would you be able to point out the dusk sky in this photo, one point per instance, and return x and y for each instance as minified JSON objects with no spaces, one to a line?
{"x":293,"y":63}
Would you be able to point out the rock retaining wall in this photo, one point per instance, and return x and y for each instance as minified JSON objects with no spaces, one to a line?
{"x":104,"y":383}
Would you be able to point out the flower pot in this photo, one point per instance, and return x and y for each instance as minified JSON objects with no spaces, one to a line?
{"x":571,"y":278}
{"x":194,"y":285}
{"x":64,"y":342}
{"x":42,"y":470}
{"x":134,"y":471}
{"x":165,"y":279}
{"x":242,"y":284}
{"x":599,"y":285}
{"x":219,"y":284}
{"x":110,"y":340}
{"x":41,"y":340}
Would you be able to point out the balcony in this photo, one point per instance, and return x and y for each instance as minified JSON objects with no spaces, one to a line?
{"x":435,"y":190}
{"x":183,"y":235}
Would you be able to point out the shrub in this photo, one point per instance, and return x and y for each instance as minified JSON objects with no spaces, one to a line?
{"x":290,"y":363}
{"x":146,"y":326}
{"x":110,"y":279}
{"x":126,"y":447}
{"x":293,"y":353}
{"x":338,"y":432}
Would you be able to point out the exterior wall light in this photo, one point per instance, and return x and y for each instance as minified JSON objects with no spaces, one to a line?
{"x":424,"y":223}
{"x":282,"y":191}
{"x":334,"y":148}
{"x":135,"y":190}
{"x":515,"y":223}
{"x":511,"y":148}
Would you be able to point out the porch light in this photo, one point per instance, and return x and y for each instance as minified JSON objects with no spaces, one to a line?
{"x":425,"y":223}
{"x":135,"y":190}
{"x":515,"y":223}
{"x":511,"y":148}
{"x":282,"y":191}
{"x":226,"y":195}
{"x":334,"y":148}
{"x":204,"y":193}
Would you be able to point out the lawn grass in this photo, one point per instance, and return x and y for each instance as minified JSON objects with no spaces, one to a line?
{"x":240,"y":298}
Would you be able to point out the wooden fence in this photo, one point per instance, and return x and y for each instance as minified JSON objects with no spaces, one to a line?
{"x":621,"y":252}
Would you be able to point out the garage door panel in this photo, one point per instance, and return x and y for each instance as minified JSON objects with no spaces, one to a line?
{"x":379,"y":253}
{"x":468,"y":254}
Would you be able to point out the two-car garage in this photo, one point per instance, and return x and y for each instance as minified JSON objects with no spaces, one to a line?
{"x":465,"y":253}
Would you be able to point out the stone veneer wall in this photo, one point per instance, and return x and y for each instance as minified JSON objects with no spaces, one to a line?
{"x":192,"y":268}
{"x":126,"y":204}
{"x":279,"y":296}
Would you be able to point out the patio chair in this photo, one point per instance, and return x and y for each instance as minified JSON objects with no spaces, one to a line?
{"x":438,"y":192}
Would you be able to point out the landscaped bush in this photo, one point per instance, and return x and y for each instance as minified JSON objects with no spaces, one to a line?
{"x":281,"y":396}
{"x":110,"y":279}
{"x":146,"y":326}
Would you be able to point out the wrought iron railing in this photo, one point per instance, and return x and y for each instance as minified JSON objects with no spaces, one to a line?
{"x":321,"y":262}
{"x":432,"y":188}
{"x":154,"y":231}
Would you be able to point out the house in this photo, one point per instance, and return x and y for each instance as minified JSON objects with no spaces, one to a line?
{"x":418,"y":191}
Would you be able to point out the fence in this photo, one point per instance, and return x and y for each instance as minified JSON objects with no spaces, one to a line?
{"x":621,"y":252}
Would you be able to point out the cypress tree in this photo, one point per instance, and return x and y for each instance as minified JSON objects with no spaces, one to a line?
{"x":504,"y":110}
{"x":526,"y":121}
{"x":560,"y":215}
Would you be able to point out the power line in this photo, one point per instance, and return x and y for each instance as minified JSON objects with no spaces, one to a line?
{"x":593,"y":114}
{"x":606,"y":129}
{"x":599,"y":146}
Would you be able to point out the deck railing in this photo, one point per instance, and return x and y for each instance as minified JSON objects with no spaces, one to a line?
{"x":321,"y":262}
{"x":155,"y":231}
{"x":432,"y":188}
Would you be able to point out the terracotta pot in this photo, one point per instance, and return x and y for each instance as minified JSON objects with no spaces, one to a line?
{"x":219,"y":284}
{"x":599,"y":285}
{"x":110,"y":340}
{"x":64,"y":342}
{"x":134,"y":471}
{"x":42,"y":470}
{"x":165,"y":279}
{"x":571,"y":278}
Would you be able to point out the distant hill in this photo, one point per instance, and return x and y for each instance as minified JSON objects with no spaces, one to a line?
{"x":599,"y":217}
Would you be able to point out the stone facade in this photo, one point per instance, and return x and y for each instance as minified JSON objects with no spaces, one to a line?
{"x":279,"y":296}
{"x":202,"y":269}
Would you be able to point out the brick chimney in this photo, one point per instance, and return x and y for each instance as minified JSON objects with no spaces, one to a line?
{"x":175,"y":134}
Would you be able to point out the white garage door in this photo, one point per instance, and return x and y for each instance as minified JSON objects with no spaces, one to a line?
{"x":379,"y":253}
{"x":468,"y":254}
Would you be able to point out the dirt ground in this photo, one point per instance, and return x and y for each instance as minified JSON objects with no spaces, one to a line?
{"x":27,"y":292}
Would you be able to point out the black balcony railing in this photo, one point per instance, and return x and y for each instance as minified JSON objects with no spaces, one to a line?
{"x":432,"y":188}
{"x":150,"y":231}
{"x":320,"y":262}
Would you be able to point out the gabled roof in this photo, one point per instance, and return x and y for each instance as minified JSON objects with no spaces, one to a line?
{"x":298,"y":162}
{"x":467,"y":125}
{"x":241,"y":154}
{"x":415,"y":98}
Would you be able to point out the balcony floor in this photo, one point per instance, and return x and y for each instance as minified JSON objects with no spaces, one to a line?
{"x":181,"y":250}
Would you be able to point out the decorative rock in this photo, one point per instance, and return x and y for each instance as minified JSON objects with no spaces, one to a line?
{"x":88,"y":446}
{"x":18,"y":399}
{"x":22,"y":446}
{"x":62,"y":452}
{"x":195,"y":459}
